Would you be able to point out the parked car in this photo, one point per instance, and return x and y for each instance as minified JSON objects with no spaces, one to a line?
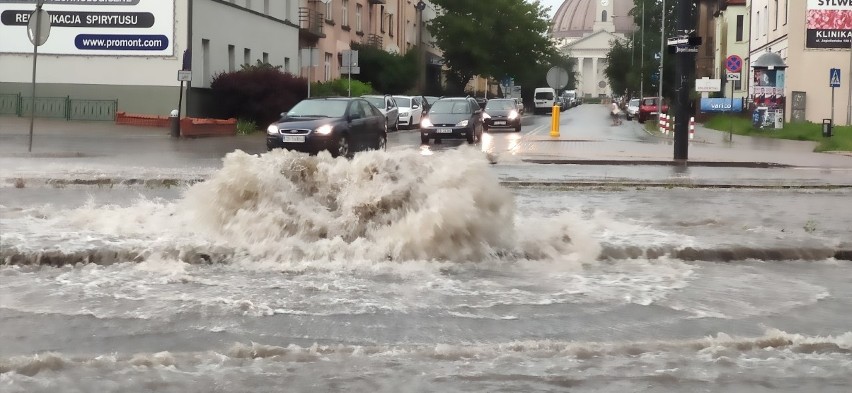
{"x":632,"y":108}
{"x":453,"y":118}
{"x":502,"y":113}
{"x":520,"y":105}
{"x":545,"y":98}
{"x":410,"y":110}
{"x":481,"y":101}
{"x":648,"y":108}
{"x":342,"y":126}
{"x":389,"y":108}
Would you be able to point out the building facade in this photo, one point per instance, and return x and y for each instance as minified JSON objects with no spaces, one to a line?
{"x":585,"y":30}
{"x":134,"y":61}
{"x":332,"y":26}
{"x":732,"y":26}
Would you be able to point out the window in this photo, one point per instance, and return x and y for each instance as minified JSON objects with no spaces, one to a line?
{"x":603,"y":16}
{"x":327,"y":66}
{"x":390,"y":25}
{"x":248,"y":4}
{"x":786,"y":11}
{"x":382,"y":18}
{"x":740,"y":27}
{"x":344,"y":19}
{"x":328,"y":10}
{"x":757,"y":27}
{"x":265,"y":58}
{"x":765,"y":22}
{"x":287,"y":14}
{"x":246,"y":56}
{"x":286,"y":64}
{"x":205,"y":59}
{"x":266,"y":7}
{"x":738,"y":85}
{"x":358,"y":26}
{"x":776,"y":15}
{"x":232,"y":62}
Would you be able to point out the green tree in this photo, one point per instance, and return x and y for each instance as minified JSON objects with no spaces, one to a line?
{"x":495,"y":38}
{"x":386,"y":72}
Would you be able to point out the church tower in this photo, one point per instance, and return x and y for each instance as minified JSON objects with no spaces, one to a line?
{"x":604,"y":18}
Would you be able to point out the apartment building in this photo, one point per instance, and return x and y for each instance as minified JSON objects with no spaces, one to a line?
{"x":332,"y":26}
{"x":136,"y":66}
{"x":732,"y":27}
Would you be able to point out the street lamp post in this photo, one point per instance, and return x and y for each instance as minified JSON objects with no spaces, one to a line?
{"x":662,"y":56}
{"x":642,"y":57}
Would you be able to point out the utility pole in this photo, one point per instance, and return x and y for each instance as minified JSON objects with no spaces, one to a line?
{"x":642,"y":57}
{"x":421,"y":75}
{"x":685,"y":65}
{"x":662,"y":57}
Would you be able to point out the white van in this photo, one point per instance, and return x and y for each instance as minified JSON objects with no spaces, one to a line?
{"x":544,"y":99}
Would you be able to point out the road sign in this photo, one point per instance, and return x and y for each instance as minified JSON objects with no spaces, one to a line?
{"x":345,"y":70}
{"x":657,"y":56}
{"x":557,"y":78}
{"x":309,"y":57}
{"x":734,"y":64}
{"x":834,"y":77}
{"x":350,"y":58}
{"x":733,"y":76}
{"x":708,"y":85}
{"x":38,"y":19}
{"x":184,"y":76}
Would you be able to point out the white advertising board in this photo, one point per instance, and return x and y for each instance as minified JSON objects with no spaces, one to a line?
{"x":93,"y":27}
{"x":708,"y":85}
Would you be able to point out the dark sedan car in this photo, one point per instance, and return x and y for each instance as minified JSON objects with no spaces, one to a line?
{"x":502,"y":113}
{"x":340,"y":125}
{"x":452,"y":118}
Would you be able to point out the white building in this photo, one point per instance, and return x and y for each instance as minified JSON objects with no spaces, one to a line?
{"x":131,"y":53}
{"x":585,"y":29}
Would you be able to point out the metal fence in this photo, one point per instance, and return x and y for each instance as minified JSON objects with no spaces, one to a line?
{"x":58,"y":107}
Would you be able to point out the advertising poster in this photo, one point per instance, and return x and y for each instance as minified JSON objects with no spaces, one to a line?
{"x":92,"y":27}
{"x":768,"y":87}
{"x":829,"y":24}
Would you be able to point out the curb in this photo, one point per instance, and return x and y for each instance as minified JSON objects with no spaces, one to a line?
{"x":711,"y":164}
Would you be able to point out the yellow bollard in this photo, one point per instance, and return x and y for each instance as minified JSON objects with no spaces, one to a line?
{"x":554,"y":121}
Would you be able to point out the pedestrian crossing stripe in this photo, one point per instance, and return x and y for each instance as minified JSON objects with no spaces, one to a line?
{"x":835,"y":77}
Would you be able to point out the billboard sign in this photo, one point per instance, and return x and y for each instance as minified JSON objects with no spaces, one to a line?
{"x":93,"y":27}
{"x":829,"y":24}
{"x":721,"y":105}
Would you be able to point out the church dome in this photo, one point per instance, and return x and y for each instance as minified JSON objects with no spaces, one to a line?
{"x":575,"y":18}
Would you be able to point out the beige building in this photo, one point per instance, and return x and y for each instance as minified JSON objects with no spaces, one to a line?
{"x":810,"y":51}
{"x":331,"y":26}
{"x":732,"y":27}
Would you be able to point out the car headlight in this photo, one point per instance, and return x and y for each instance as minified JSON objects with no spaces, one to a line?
{"x":324,"y":129}
{"x":462,"y":123}
{"x":513,"y":115}
{"x":426,"y":123}
{"x":486,"y":116}
{"x":272,"y":130}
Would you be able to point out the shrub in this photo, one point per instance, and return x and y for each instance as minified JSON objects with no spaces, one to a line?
{"x":257,"y":93}
{"x":340,"y":88}
{"x":246,"y":127}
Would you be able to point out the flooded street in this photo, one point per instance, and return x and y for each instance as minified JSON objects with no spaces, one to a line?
{"x":399,"y":272}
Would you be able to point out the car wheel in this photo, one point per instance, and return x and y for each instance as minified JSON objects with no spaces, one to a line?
{"x":343,"y":148}
{"x":518,"y":128}
{"x":424,"y":140}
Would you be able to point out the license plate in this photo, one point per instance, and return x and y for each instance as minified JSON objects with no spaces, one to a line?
{"x":294,"y":138}
{"x":499,"y":123}
{"x":445,"y":131}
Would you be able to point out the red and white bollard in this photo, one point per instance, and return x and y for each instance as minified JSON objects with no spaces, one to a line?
{"x":662,"y":123}
{"x":691,"y":128}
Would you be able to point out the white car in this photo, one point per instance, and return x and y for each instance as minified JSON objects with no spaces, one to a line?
{"x":632,"y":108}
{"x":410,"y":110}
{"x":387,"y":105}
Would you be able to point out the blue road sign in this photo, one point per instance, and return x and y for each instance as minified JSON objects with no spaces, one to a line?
{"x":834,"y":77}
{"x":734,"y":64}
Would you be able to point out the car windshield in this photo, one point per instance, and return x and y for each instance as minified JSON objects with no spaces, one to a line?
{"x":379,"y":102}
{"x":319,"y":108}
{"x":403,"y":102}
{"x":649,"y":101}
{"x":634,"y":102}
{"x":500,"y":105}
{"x":431,"y":99}
{"x":444,"y":107}
{"x":544,"y":95}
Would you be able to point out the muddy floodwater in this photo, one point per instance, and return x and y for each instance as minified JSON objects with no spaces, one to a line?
{"x":398,"y":272}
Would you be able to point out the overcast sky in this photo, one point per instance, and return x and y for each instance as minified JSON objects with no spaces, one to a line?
{"x":553,"y":4}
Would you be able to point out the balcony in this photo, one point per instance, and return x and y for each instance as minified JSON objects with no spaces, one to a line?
{"x":310,"y":24}
{"x":374,"y":40}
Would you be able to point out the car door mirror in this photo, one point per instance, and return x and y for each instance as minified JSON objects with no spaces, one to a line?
{"x":415,"y":106}
{"x":283,"y":114}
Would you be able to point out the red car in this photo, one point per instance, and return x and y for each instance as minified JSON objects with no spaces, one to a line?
{"x":648,"y":108}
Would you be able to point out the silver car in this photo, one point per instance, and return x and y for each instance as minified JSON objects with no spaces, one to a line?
{"x":632,"y":109}
{"x":387,"y":105}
